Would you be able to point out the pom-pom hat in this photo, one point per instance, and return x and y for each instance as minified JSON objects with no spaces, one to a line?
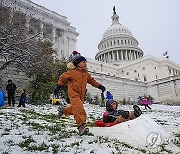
{"x":77,"y":58}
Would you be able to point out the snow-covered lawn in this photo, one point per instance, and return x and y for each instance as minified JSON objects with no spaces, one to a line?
{"x":35,"y":129}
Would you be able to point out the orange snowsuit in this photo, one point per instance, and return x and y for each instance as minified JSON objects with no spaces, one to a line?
{"x":77,"y":80}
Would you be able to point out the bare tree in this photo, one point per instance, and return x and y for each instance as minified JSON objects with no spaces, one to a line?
{"x":23,"y":49}
{"x":18,"y":47}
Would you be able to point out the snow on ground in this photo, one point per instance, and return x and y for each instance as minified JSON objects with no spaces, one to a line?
{"x":134,"y":132}
{"x":36,"y":129}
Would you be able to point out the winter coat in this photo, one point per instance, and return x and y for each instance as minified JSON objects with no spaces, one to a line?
{"x":11,"y":88}
{"x":77,"y":80}
{"x":2,"y":97}
{"x":111,"y":115}
{"x":22,"y":98}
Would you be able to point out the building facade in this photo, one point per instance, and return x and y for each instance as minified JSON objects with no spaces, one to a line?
{"x":122,"y":68}
{"x":48,"y":24}
{"x":40,"y":21}
{"x":119,"y":64}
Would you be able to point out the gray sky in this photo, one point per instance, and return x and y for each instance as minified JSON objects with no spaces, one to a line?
{"x":154,"y":23}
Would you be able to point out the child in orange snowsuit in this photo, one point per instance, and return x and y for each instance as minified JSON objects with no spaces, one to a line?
{"x":77,"y":79}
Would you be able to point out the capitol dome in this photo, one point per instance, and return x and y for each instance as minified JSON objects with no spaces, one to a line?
{"x":118,"y":46}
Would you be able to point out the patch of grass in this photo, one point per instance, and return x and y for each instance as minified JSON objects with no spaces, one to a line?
{"x":55,"y":148}
{"x":26,"y":142}
{"x":77,"y":143}
{"x":6,"y":132}
{"x":10,"y":142}
{"x":177,"y":140}
{"x":163,"y":149}
{"x":5,"y":152}
{"x":64,"y":148}
{"x":90,"y":124}
{"x":40,"y":147}
{"x":162,"y":122}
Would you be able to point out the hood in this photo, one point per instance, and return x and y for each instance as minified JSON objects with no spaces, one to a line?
{"x":108,"y":104}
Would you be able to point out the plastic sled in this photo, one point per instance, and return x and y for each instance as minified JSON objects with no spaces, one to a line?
{"x":100,"y":123}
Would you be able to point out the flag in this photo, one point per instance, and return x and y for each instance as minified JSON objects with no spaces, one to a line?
{"x":166,"y":55}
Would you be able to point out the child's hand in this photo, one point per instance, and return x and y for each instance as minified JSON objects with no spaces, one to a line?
{"x":102,"y":88}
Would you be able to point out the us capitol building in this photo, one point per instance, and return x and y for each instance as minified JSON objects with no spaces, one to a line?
{"x":119,"y":63}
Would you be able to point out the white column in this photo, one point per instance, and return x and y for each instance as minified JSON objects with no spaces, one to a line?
{"x":103,"y":58}
{"x":65,"y":42}
{"x":126,"y":57}
{"x":27,"y":22}
{"x":53,"y":35}
{"x":41,"y":29}
{"x":113,"y":56}
{"x":122,"y":55}
{"x":108,"y":57}
{"x":131,"y":53}
{"x":10,"y":16}
{"x":134,"y":54}
{"x":117,"y":54}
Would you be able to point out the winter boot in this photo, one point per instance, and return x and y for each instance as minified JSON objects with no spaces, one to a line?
{"x":83,"y":130}
{"x":60,"y":111}
{"x":137,"y":111}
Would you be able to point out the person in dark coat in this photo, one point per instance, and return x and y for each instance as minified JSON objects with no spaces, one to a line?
{"x":10,"y":88}
{"x":22,"y":99}
{"x":112,"y":114}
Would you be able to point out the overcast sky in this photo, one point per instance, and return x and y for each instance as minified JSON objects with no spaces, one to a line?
{"x":154,"y":23}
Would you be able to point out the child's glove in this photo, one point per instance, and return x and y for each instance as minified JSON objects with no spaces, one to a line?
{"x":56,"y":90}
{"x":101,"y":87}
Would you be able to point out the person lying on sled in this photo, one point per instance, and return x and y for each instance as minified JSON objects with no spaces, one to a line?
{"x":112,"y":114}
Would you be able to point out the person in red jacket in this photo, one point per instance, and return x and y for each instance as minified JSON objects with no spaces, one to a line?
{"x":77,"y":79}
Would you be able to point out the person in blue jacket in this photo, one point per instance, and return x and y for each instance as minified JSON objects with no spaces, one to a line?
{"x":22,"y":99}
{"x":2,"y":97}
{"x":109,"y":96}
